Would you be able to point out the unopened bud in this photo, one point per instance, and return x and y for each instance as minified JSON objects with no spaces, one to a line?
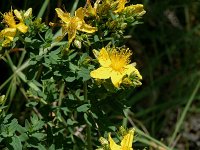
{"x":28,"y":13}
{"x":18,"y":14}
{"x":78,"y":44}
{"x":103,"y":141}
{"x":2,"y":99}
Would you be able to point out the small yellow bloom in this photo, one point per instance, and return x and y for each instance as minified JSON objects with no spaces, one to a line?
{"x":126,"y":143}
{"x":9,"y":33}
{"x":137,"y":9}
{"x":70,"y":24}
{"x":114,"y":65}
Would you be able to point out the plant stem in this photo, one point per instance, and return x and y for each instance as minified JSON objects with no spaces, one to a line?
{"x":43,"y":8}
{"x":74,"y":7}
{"x":85,"y":92}
{"x":125,"y":119}
{"x":89,"y":140}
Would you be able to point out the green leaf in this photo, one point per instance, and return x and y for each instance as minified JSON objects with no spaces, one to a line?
{"x":12,"y":126}
{"x":94,"y":115}
{"x":28,"y":40}
{"x":16,"y":143}
{"x":84,"y":74}
{"x":28,"y":126}
{"x":39,"y":136}
{"x":96,"y":38}
{"x":23,"y":137}
{"x":72,"y":56}
{"x":37,"y":126}
{"x":86,"y":119}
{"x":83,"y":58}
{"x":21,"y":129}
{"x":2,"y":107}
{"x":31,"y":104}
{"x":7,"y":118}
{"x":84,"y":108}
{"x":70,"y":79}
{"x":73,"y":67}
{"x":65,"y":110}
{"x":34,"y":119}
{"x":71,"y":122}
{"x":40,"y":147}
{"x":48,"y":34}
{"x":52,"y":147}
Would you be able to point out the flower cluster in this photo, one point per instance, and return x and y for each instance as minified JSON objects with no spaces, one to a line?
{"x":13,"y":25}
{"x":101,"y":7}
{"x":65,"y":75}
{"x":115,"y":62}
{"x":103,"y":14}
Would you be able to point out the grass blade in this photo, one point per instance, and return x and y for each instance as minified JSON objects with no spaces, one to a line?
{"x":43,"y":8}
{"x":183,"y":115}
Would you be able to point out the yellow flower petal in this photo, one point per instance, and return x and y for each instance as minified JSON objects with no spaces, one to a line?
{"x":121,"y":6}
{"x":87,"y":28}
{"x":65,"y":17}
{"x":90,"y":10}
{"x":9,"y":19}
{"x":80,"y":13}
{"x":113,"y":145}
{"x":116,"y":78}
{"x":101,"y":73}
{"x":128,"y":140}
{"x":28,"y":13}
{"x":22,"y":27}
{"x":8,"y":35}
{"x":137,"y":73}
{"x":6,"y":43}
{"x":71,"y":33}
{"x":104,"y":58}
{"x":18,"y":15}
{"x":9,"y":32}
{"x":129,"y":69}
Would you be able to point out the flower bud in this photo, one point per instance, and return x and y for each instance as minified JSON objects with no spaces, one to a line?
{"x":78,"y":44}
{"x":28,"y":13}
{"x":2,"y":99}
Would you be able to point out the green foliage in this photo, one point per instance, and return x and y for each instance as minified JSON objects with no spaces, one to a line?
{"x":51,"y":101}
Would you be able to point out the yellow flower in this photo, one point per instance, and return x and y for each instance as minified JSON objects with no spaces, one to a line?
{"x":132,"y":9}
{"x":126,"y":143}
{"x":70,"y":24}
{"x":114,"y":65}
{"x":9,"y":33}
